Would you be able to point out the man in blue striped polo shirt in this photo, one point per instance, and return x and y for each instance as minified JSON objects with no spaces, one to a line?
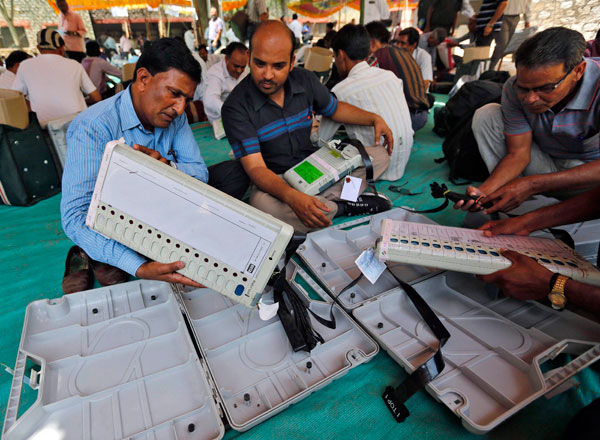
{"x":149,"y":116}
{"x":545,"y":135}
{"x":488,"y":21}
{"x":268,"y":119}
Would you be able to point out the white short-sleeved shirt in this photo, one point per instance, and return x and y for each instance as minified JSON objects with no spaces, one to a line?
{"x":54,"y":86}
{"x":423,"y":59}
{"x":6,"y":78}
{"x":296,"y":28}
{"x":214,"y":26}
{"x":376,"y":10}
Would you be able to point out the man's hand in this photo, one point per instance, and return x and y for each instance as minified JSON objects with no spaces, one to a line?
{"x":520,"y":225}
{"x":470,"y":205}
{"x":214,"y":43}
{"x":382,"y":129}
{"x":524,"y":280}
{"x":510,"y":196}
{"x":152,"y":153}
{"x":165,"y":272}
{"x":487,"y":30}
{"x":309,"y":210}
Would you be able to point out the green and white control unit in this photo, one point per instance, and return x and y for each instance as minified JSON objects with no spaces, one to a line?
{"x":324,"y":167}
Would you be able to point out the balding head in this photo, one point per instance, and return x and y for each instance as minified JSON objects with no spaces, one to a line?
{"x":273,"y":34}
{"x":271,"y":58}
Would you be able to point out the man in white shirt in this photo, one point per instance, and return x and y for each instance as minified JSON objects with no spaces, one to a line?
{"x":257,"y":13}
{"x":510,"y":20}
{"x":190,"y":40}
{"x":296,"y":28}
{"x":409,"y":39}
{"x":215,"y":30}
{"x":53,"y":84}
{"x":372,"y":89}
{"x":430,"y":41}
{"x":223,"y":77}
{"x":70,"y":25}
{"x":12,"y":63}
{"x":376,"y":10}
{"x":125,"y":45}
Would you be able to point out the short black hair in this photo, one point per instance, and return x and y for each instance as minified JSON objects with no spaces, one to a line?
{"x":92,"y":48}
{"x":378,"y":31}
{"x":291,"y":33}
{"x":354,"y":40}
{"x":556,"y":45}
{"x":232,"y":47}
{"x":413,"y":35}
{"x":168,"y":53}
{"x":330,"y":25}
{"x":295,"y":17}
{"x":15,"y":57}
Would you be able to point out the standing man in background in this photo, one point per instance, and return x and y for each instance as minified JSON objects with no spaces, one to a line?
{"x":257,"y":13}
{"x":296,"y":28}
{"x":488,"y":21}
{"x":510,"y":20}
{"x":376,"y":10}
{"x":70,"y":26}
{"x":215,"y":30}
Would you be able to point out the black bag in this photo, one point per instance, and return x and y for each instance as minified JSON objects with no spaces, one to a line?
{"x":28,"y":172}
{"x":469,"y":98}
{"x":454,"y":122}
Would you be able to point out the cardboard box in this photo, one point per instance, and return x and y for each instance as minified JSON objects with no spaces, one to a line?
{"x":318,"y":59}
{"x":13,"y":109}
{"x":128,"y":71}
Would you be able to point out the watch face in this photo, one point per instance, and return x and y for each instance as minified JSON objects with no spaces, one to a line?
{"x":558,"y":300}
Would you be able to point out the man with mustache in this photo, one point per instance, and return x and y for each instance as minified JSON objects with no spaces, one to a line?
{"x":149,"y":116}
{"x":545,"y":135}
{"x":268,"y":119}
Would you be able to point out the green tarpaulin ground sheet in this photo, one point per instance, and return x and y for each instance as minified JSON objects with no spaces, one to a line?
{"x":33,"y":248}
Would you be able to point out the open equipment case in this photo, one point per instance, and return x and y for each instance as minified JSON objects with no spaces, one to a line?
{"x":146,"y":360}
{"x":494,"y":357}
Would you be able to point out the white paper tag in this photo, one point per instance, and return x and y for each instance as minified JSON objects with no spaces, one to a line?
{"x":351,"y":188}
{"x":267,"y":311}
{"x":369,"y":265}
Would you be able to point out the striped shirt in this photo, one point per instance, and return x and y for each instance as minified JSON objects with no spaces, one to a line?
{"x":573,"y":132}
{"x":402,"y":64}
{"x":256,"y":124}
{"x":488,"y":8}
{"x":378,"y":91}
{"x":87,"y":136}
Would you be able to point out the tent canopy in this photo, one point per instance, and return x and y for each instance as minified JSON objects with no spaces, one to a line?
{"x":105,"y":4}
{"x":321,"y":9}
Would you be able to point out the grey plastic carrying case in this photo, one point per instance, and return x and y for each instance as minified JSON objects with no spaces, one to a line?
{"x":498,"y":345}
{"x":144,"y":360}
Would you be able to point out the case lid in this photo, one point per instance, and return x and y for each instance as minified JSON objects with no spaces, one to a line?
{"x":254,"y":369}
{"x":330,"y":254}
{"x":116,"y":362}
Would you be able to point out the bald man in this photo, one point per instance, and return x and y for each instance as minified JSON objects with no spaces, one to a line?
{"x":268,"y":118}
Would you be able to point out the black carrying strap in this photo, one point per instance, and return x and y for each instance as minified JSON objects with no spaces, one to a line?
{"x":294,"y":309}
{"x":395,"y":398}
{"x":366,"y":161}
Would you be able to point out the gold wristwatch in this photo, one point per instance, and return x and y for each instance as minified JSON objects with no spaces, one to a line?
{"x":557,"y":294}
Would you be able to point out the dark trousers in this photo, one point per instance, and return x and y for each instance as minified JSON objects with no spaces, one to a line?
{"x":418,"y":119}
{"x":229,"y":177}
{"x":77,"y":56}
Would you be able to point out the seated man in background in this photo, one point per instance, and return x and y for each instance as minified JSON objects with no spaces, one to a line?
{"x":97,"y":69}
{"x":526,"y":279}
{"x":12,"y":63}
{"x":268,"y":119}
{"x":409,"y":39}
{"x":430,"y":41}
{"x":54,"y":85}
{"x":223,"y":77}
{"x":402,"y":64}
{"x":149,"y":116}
{"x":545,"y":135}
{"x":372,"y":89}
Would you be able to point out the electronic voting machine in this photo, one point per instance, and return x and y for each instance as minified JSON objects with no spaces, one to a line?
{"x":469,"y":251}
{"x":168,"y":216}
{"x":323,"y":168}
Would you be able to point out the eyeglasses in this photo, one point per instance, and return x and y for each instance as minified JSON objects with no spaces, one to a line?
{"x":545,"y":89}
